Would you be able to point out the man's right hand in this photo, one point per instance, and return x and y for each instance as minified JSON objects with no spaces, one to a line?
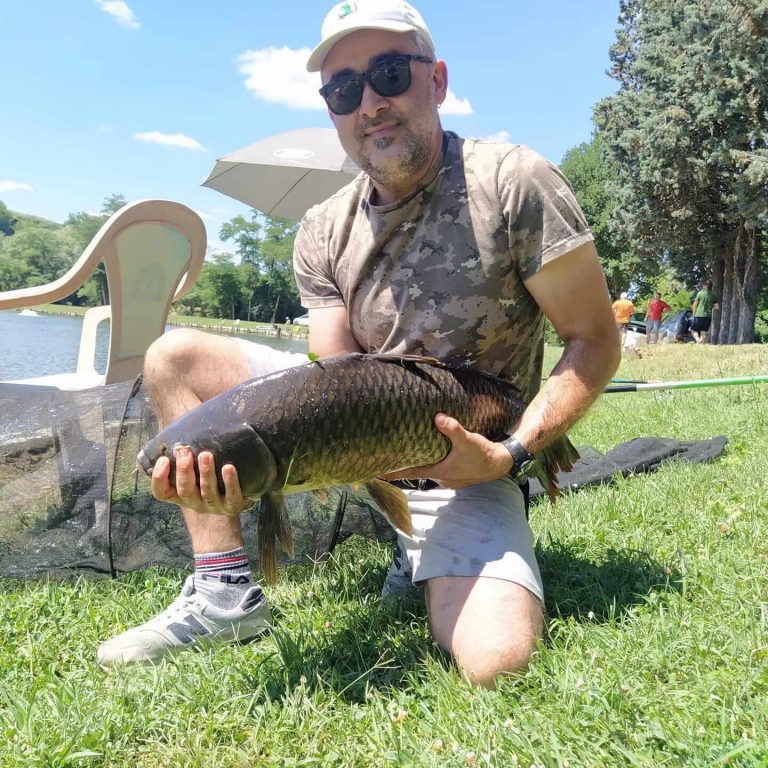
{"x":204,"y":498}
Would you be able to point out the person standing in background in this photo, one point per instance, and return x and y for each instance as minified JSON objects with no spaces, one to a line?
{"x":702,"y":307}
{"x":656,"y":309}
{"x":622,"y":311}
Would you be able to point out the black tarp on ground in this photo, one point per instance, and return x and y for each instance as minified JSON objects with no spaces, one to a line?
{"x":71,"y":501}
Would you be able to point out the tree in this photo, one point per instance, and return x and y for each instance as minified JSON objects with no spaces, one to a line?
{"x":246,"y":235}
{"x":589,"y":173}
{"x":687,"y":134}
{"x":278,"y":264}
{"x":7,"y":220}
{"x":31,"y":257}
{"x":265,"y":247}
{"x":113,"y":203}
{"x":218,"y":287}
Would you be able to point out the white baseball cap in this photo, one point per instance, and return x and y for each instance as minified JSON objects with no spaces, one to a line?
{"x":345,"y":18}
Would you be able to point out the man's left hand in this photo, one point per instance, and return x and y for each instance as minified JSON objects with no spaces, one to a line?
{"x":472,"y":459}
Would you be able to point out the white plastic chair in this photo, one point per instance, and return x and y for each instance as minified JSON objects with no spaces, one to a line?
{"x":153,"y":251}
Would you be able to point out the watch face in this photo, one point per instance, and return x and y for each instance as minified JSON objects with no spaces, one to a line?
{"x":523,"y":467}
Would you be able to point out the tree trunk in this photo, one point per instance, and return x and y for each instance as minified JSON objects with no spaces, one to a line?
{"x":718,"y":279}
{"x":750,"y":285}
{"x":274,"y":310}
{"x":741,"y":282}
{"x":726,"y":298}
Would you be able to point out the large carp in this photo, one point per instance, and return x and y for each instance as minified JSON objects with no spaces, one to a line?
{"x":339,"y":421}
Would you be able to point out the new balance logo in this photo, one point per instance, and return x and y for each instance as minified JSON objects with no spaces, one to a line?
{"x":186,"y":631}
{"x":256,"y":597}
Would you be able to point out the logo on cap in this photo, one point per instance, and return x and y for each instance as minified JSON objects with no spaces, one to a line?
{"x":346,"y":8}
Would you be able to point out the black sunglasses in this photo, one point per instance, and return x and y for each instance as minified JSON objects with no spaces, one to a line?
{"x":388,"y":76}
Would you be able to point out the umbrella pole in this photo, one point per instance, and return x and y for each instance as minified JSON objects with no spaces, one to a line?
{"x":690,"y":384}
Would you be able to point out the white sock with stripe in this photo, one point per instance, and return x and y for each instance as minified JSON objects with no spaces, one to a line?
{"x":223,"y":578}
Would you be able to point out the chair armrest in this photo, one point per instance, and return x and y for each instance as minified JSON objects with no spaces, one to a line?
{"x":86,"y":356}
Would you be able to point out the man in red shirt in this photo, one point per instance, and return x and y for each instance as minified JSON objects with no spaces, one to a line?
{"x":656,"y":309}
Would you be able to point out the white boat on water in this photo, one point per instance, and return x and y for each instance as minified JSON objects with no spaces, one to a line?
{"x":28,"y":313}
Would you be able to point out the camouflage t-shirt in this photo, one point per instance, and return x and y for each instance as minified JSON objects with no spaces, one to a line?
{"x":440,"y":273}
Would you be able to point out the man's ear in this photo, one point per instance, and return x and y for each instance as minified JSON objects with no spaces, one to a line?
{"x":440,"y":79}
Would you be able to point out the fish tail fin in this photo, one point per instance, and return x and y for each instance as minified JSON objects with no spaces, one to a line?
{"x":556,"y":457}
{"x":392,"y":502}
{"x":274,"y":525}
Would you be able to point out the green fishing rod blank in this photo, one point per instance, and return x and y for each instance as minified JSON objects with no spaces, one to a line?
{"x":690,"y":384}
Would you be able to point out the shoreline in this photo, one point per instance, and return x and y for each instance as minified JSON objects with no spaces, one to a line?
{"x":275,"y":330}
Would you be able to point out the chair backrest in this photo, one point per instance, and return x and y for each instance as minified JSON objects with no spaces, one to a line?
{"x":153,"y":251}
{"x":146,"y":260}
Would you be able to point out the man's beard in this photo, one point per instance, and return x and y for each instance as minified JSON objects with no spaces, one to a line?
{"x":393,"y":171}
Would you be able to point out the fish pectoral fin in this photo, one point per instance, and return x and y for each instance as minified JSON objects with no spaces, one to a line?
{"x":560,"y":456}
{"x":274,"y":525}
{"x":393,"y":503}
{"x":321,"y":494}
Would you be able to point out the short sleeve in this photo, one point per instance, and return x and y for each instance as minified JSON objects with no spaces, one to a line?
{"x":311,"y":269}
{"x":543,"y":217}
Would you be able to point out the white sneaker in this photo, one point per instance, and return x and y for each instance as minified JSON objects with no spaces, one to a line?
{"x":399,"y":579}
{"x":190,"y":621}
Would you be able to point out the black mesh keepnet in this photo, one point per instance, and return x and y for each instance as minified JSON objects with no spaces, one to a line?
{"x":71,"y":500}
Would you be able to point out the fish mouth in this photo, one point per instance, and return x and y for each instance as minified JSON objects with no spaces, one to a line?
{"x":144,"y":463}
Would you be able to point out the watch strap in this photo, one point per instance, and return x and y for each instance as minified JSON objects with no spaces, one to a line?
{"x":521,"y":457}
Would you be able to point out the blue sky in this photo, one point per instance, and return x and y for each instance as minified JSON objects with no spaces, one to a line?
{"x":141,"y":97}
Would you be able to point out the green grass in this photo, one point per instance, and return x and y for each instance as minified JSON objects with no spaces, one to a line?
{"x":656,"y":652}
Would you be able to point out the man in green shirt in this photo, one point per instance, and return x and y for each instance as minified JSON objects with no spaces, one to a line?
{"x":703,"y":305}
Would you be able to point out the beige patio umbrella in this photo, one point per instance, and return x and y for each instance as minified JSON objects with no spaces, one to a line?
{"x":286,"y":174}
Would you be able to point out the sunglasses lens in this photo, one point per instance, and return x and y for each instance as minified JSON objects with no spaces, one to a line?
{"x":346,"y":96}
{"x":390,"y":77}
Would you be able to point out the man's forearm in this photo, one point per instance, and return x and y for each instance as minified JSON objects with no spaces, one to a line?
{"x":577,"y":380}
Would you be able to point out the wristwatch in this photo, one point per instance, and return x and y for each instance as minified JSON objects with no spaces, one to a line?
{"x":521,"y":458}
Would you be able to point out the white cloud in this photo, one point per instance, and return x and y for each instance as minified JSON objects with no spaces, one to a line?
{"x":456,"y":106}
{"x":500,"y":137}
{"x":169,"y":139}
{"x":279,"y":76}
{"x":15,"y":186}
{"x":121,"y":11}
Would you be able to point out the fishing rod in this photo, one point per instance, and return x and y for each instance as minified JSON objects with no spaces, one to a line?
{"x":619,"y":381}
{"x":690,"y":384}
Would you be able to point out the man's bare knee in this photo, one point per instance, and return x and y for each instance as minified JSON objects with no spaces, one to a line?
{"x":484,"y":659}
{"x":185,"y":367}
{"x":490,"y":627}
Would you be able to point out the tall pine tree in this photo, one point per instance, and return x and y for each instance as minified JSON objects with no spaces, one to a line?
{"x":688,"y":134}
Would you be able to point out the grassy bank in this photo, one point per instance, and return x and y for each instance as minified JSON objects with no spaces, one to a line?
{"x":656,"y":652}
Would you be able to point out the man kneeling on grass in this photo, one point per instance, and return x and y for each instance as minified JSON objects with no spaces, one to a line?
{"x":444,"y":247}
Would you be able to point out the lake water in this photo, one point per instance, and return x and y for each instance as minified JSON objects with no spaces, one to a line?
{"x":47,"y":344}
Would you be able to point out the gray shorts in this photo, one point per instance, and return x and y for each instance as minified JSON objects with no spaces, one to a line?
{"x":477,"y":531}
{"x":652,"y":326}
